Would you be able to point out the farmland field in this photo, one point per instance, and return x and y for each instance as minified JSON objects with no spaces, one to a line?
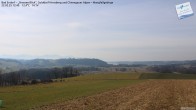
{"x":151,"y":95}
{"x":25,"y":97}
{"x":148,"y":91}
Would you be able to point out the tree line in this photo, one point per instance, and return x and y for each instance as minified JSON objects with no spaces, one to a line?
{"x":174,"y":68}
{"x":36,"y":75}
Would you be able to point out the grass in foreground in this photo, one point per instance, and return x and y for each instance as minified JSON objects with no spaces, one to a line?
{"x":25,"y":97}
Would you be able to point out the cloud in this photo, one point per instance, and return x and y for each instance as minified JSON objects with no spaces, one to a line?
{"x":74,"y":25}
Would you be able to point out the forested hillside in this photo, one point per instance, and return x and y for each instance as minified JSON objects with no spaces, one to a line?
{"x":9,"y":65}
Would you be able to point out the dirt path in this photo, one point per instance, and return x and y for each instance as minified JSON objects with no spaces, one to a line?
{"x":150,"y":95}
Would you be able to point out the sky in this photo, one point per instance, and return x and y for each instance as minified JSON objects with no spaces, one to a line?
{"x":128,"y":30}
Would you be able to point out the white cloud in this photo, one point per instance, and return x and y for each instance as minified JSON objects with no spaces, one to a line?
{"x":74,"y":25}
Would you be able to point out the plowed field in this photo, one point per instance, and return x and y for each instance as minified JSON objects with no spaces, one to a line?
{"x":149,"y":95}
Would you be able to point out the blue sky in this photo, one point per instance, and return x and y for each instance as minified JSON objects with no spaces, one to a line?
{"x":128,"y":30}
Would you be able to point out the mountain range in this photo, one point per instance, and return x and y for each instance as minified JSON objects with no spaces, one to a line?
{"x":8,"y":65}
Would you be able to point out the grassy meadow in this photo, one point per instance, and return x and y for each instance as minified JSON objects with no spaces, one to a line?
{"x":29,"y":96}
{"x":25,"y":97}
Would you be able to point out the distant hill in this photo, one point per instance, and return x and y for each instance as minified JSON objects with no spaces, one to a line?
{"x":150,"y":63}
{"x":8,"y":65}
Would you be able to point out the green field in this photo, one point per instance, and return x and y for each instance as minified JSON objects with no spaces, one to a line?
{"x":25,"y":97}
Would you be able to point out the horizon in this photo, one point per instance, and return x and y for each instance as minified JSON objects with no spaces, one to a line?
{"x":114,"y":61}
{"x":151,"y":31}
